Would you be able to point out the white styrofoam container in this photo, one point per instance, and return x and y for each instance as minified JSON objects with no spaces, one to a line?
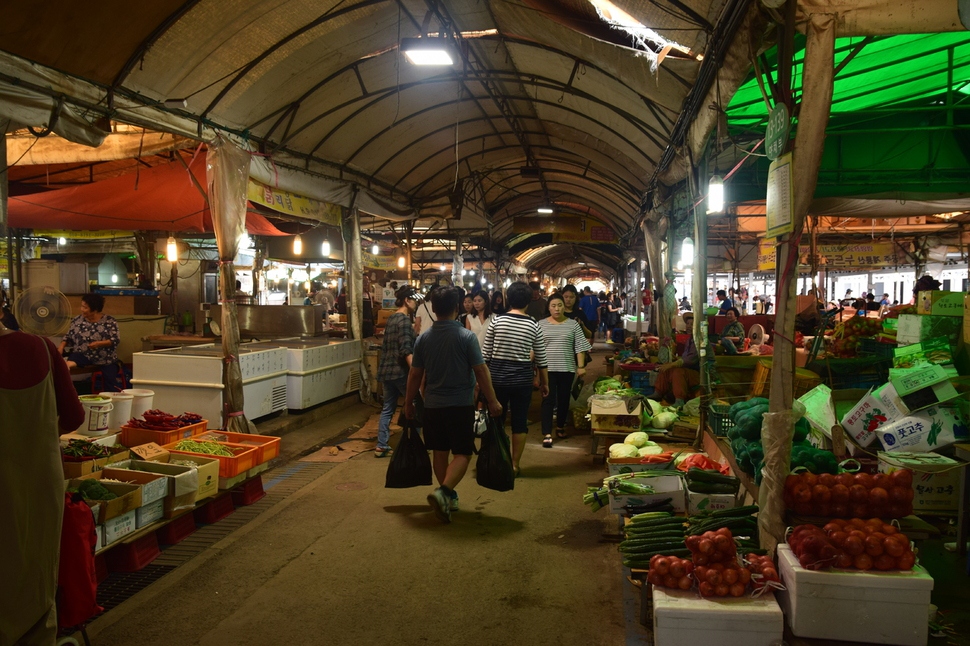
{"x":147,"y":514}
{"x":872,"y":607}
{"x":118,"y":527}
{"x":665,"y":486}
{"x":683,"y":617}
{"x":100,"y":540}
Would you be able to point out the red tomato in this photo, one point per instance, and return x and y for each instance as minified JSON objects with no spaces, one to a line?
{"x":884,"y":562}
{"x":688,"y":567}
{"x":902,"y":478}
{"x":706,"y":546}
{"x":893,"y":547}
{"x":858,"y":493}
{"x":889,"y":530}
{"x":843,"y":561}
{"x":662,"y":566}
{"x":840,"y":509}
{"x":677,"y":568}
{"x":724,"y":531}
{"x":873,"y":546}
{"x":723,"y":543}
{"x":654,"y":578}
{"x":744,"y":576}
{"x":821,"y":494}
{"x":719,"y":567}
{"x":670,"y":582}
{"x":809,"y":479}
{"x":906,"y":561}
{"x":721,"y":590}
{"x":875,"y":522}
{"x":838,"y":538}
{"x":859,"y":509}
{"x":878,"y":497}
{"x":802,"y":494}
{"x":692,"y":542}
{"x":706,"y":589}
{"x":737,"y":590}
{"x":840,"y":493}
{"x":832,"y":527}
{"x":854,"y":546}
{"x":862,"y":562}
{"x":700,"y":559}
{"x":864,"y":479}
{"x":846,"y":479}
{"x":730,"y":576}
{"x":770,"y":574}
{"x":807,"y":560}
{"x":858,"y":522}
{"x":714,"y":577}
{"x":882,"y":480}
{"x":684,"y":583}
{"x":701,"y":573}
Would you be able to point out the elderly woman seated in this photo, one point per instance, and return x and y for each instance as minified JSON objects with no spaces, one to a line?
{"x":93,"y":340}
{"x":733,"y":333}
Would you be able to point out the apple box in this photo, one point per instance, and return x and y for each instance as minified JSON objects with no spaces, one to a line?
{"x":936,"y":478}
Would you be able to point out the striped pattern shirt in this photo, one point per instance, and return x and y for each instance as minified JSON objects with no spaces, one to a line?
{"x":509,"y":341}
{"x":563,"y":342}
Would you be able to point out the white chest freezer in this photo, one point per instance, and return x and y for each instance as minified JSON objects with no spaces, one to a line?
{"x":318,"y":371}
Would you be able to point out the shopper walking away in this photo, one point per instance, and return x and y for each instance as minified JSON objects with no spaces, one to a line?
{"x":538,"y":308}
{"x":510,"y":341}
{"x":498,"y":303}
{"x":566,"y":347}
{"x":448,"y":359}
{"x":478,"y":320}
{"x":591,"y":308}
{"x":395,"y":363}
{"x":38,"y":403}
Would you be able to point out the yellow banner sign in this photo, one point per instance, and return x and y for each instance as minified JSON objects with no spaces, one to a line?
{"x":293,"y":204}
{"x":383,"y":263}
{"x":82,"y":235}
{"x":866,"y":255}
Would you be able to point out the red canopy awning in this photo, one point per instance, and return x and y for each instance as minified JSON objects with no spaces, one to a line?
{"x":162,"y":198}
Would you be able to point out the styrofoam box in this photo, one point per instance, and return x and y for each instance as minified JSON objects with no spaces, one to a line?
{"x":100,"y":540}
{"x":873,"y":607}
{"x":148,"y":514}
{"x":118,"y":527}
{"x":683,"y":617}
{"x":665,"y":486}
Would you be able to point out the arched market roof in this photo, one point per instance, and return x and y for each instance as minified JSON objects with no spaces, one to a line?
{"x":548,"y":104}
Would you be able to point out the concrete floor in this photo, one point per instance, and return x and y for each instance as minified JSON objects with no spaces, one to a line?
{"x":346,"y":561}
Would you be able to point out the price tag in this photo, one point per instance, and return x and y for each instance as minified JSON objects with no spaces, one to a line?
{"x":151,"y":452}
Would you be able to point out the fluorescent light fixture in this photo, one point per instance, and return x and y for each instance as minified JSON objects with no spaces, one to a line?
{"x":715,"y":195}
{"x":375,"y":249}
{"x":172,"y":250}
{"x":297,"y":246}
{"x":401,"y":262}
{"x":444,"y":268}
{"x":428,"y":51}
{"x":546,"y":210}
{"x":61,"y":241}
{"x":175,"y":103}
{"x":325,"y":249}
{"x":687,"y":252}
{"x":114,"y":278}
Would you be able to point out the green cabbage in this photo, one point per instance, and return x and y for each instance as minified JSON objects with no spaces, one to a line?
{"x":623,"y":451}
{"x":664,"y":419}
{"x":655,"y":407}
{"x":650,"y":448}
{"x":637,"y":439}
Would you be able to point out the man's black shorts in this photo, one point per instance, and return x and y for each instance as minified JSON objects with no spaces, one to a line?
{"x":450,"y":429}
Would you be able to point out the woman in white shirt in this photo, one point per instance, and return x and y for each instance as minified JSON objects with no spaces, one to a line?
{"x":566,"y":348}
{"x":424,"y":317}
{"x":478,"y":320}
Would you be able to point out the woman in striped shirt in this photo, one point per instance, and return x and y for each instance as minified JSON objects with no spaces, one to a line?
{"x":566,"y":347}
{"x":510,"y":341}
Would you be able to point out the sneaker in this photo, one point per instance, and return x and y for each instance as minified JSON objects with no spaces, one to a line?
{"x":441,"y":504}
{"x":454,"y":501}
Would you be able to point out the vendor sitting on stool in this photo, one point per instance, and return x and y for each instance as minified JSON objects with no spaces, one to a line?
{"x":733,"y":334}
{"x":93,"y":339}
{"x":678,"y":380}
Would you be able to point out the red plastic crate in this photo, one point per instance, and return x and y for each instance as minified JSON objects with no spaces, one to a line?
{"x":137,"y":436}
{"x":177,"y":530}
{"x":243,"y":459}
{"x":133,"y":556}
{"x":217,"y":509}
{"x":267,"y":447}
{"x":249,"y":492}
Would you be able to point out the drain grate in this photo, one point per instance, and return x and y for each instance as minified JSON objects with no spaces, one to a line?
{"x":278,"y":484}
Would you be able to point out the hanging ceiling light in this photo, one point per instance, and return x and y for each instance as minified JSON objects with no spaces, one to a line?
{"x":114,"y":278}
{"x":715,"y":195}
{"x":325,"y":248}
{"x":61,"y":241}
{"x":545,"y":210}
{"x":298,"y":245}
{"x":375,"y":249}
{"x":444,"y":267}
{"x":428,"y":51}
{"x":687,"y":252}
{"x":401,"y":262}
{"x":172,"y":250}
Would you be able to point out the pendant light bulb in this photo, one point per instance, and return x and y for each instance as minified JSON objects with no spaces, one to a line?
{"x":114,"y":278}
{"x":715,"y":195}
{"x":325,"y":249}
{"x":172,"y":250}
{"x":444,"y":268}
{"x":61,"y":241}
{"x":401,"y":262}
{"x":375,"y":249}
{"x":297,"y":245}
{"x":687,"y":252}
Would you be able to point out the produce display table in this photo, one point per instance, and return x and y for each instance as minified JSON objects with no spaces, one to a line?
{"x":610,"y":435}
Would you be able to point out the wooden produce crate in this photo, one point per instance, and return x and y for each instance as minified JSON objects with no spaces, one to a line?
{"x":805,"y":379}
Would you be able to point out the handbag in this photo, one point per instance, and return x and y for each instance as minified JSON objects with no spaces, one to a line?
{"x":494,"y":466}
{"x":410,"y":465}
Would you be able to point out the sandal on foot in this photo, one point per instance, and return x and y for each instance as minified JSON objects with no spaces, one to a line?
{"x":383,"y":453}
{"x":547,"y":442}
{"x":561,"y":433}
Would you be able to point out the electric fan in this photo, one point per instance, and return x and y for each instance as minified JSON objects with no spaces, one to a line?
{"x":43,"y":311}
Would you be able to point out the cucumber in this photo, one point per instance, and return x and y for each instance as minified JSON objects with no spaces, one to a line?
{"x":710,"y":487}
{"x":664,"y":534}
{"x":746,"y":510}
{"x":644,"y":522}
{"x":705,"y":475}
{"x":718,"y":523}
{"x":655,"y":547}
{"x":650,"y":515}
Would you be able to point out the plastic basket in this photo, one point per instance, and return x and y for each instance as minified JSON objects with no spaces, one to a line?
{"x":640,"y":382}
{"x":720,"y":422}
{"x":267,"y":447}
{"x":877,"y":348}
{"x":243,"y":459}
{"x":131,"y":436}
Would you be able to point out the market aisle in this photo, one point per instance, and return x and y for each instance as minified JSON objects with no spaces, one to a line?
{"x":346,"y":561}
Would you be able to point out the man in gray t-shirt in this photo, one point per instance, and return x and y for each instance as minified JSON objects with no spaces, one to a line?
{"x":449,"y":360}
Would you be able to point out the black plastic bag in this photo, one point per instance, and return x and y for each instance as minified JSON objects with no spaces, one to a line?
{"x":410,"y":465}
{"x":494,"y":466}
